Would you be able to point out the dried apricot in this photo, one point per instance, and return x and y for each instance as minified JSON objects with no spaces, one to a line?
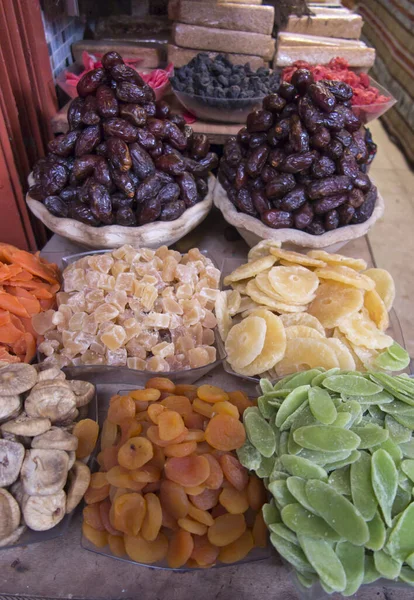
{"x":168,"y":521}
{"x":135,"y":453}
{"x":87,"y":432}
{"x":116,"y":545}
{"x":180,"y":404}
{"x":146,"y":395}
{"x":174,"y":500}
{"x":143,"y":417}
{"x":192,"y":526}
{"x":153,"y":518}
{"x":225,"y":433}
{"x":196,"y":435}
{"x":234,"y":472}
{"x":96,"y":495}
{"x":226,"y":408}
{"x":183,"y":449}
{"x":194,"y":490}
{"x":154,"y":411}
{"x":206,"y":500}
{"x":203,"y":408}
{"x":204,"y":448}
{"x":180,"y":549}
{"x":204,"y":553}
{"x":241,"y":400}
{"x":108,"y":458}
{"x":259,"y":531}
{"x":104,"y":510}
{"x":140,"y":406}
{"x":188,"y":470}
{"x":92,"y":516}
{"x":211,"y":393}
{"x":115,"y":492}
{"x":234,"y":502}
{"x":98,"y":480}
{"x":145,"y":552}
{"x":151,"y":487}
{"x":161,"y":383}
{"x":194,"y":420}
{"x":97,"y":538}
{"x":120,"y":408}
{"x":215,"y":479}
{"x":129,"y":428}
{"x":186,"y":389}
{"x":147,"y":474}
{"x":237,"y":550}
{"x":158,"y":458}
{"x":109,"y":434}
{"x":218,"y":511}
{"x":256,"y":493}
{"x":153,"y":435}
{"x":128,"y":512}
{"x":120,"y":477}
{"x":202,"y":516}
{"x":170,"y":425}
{"x":226,"y":529}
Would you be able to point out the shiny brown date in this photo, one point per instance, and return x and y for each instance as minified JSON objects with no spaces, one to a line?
{"x":322,"y":97}
{"x":100,"y":202}
{"x":293,"y":200}
{"x":323,"y":167}
{"x":356,"y":197}
{"x":125,"y":216}
{"x":257,"y":160}
{"x":345,"y":213}
{"x":303,"y":216}
{"x":274,"y":103}
{"x":260,"y":201}
{"x":172,"y":210}
{"x":329,"y":186}
{"x":244,"y":202}
{"x":88,"y":140}
{"x":277,"y":219}
{"x":169,"y":193}
{"x":171,"y":164}
{"x":142,"y":163}
{"x":110,"y":59}
{"x":134,"y":113}
{"x":107,"y":104}
{"x":56,"y":206}
{"x":118,"y":153}
{"x":259,"y":120}
{"x":149,"y":212}
{"x":366,"y":209}
{"x":241,"y":176}
{"x":331,"y":220}
{"x":89,"y":83}
{"x":280,"y":186}
{"x":188,"y":189}
{"x":123,"y":182}
{"x":75,"y":113}
{"x":81,"y":212}
{"x":298,"y":136}
{"x":130,"y":92}
{"x":199,"y":146}
{"x":329,"y":203}
{"x":294,"y":163}
{"x":121,"y":128}
{"x":63,"y":145}
{"x":121,"y":72}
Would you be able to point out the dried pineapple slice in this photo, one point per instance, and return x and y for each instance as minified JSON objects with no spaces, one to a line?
{"x":362,"y":331}
{"x":365,"y":355}
{"x":274,"y":345}
{"x":345,"y":275}
{"x":376,"y":309}
{"x":222,"y":315}
{"x":384,"y":285}
{"x":334,"y":301}
{"x":303,"y":319}
{"x":263,"y":283}
{"x":258,"y":296}
{"x":358,"y":264}
{"x":233,"y":302}
{"x":294,"y":284}
{"x":297,"y":258}
{"x":302,"y":331}
{"x":240,"y":286}
{"x":262,"y":249}
{"x":250,"y":269}
{"x":343,"y":354}
{"x":338,"y":335}
{"x":245,"y":342}
{"x":306,"y":353}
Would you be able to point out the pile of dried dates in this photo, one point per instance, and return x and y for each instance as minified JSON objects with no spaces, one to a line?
{"x":301,"y":160}
{"x":126,"y":159}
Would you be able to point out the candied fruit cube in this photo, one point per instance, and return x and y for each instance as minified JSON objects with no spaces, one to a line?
{"x":53,"y":334}
{"x":147,"y":254}
{"x":45,"y":321}
{"x":163,"y":349}
{"x":184,"y":343}
{"x":186,"y":274}
{"x":132,"y":328}
{"x":208,"y":337}
{"x":107,"y":282}
{"x":90,"y":325}
{"x":125,"y":281}
{"x":97,"y":347}
{"x":114,"y":337}
{"x":93,"y":299}
{"x":74,"y":280}
{"x":68,"y":336}
{"x":197,"y":332}
{"x":157,"y":320}
{"x":209,"y":320}
{"x":175,"y":321}
{"x":213,"y":276}
{"x":211,"y":351}
{"x":151,"y":279}
{"x":185,"y":291}
{"x":193,"y":316}
{"x":62,"y":298}
{"x":170,"y":305}
{"x":120,"y":266}
{"x":169,"y":269}
{"x":209,"y":293}
{"x":101,"y":262}
{"x":133,"y":362}
{"x":149,"y":296}
{"x":148,"y":339}
{"x":117,"y":298}
{"x":93,"y":279}
{"x":119,"y":253}
{"x":135,"y":348}
{"x":85,"y":339}
{"x":76,"y":321}
{"x":116,"y":358}
{"x":48,"y":347}
{"x":198,"y":357}
{"x":157,"y":365}
{"x":195,"y":254}
{"x":162,"y":252}
{"x":105,"y":312}
{"x":92,"y":358}
{"x":77,"y":301}
{"x":168,"y":292}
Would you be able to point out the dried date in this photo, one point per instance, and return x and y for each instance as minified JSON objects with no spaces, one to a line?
{"x":294,"y":199}
{"x":232,"y":152}
{"x":276,"y":157}
{"x":89,"y":83}
{"x":356,"y":198}
{"x":366,"y":209}
{"x":328,"y":203}
{"x":142,"y":163}
{"x":121,"y":128}
{"x":146,"y":139}
{"x":172,"y":211}
{"x":241,"y":178}
{"x":100,"y":202}
{"x":157,"y":151}
{"x":274,"y":103}
{"x":347,"y":165}
{"x":362,"y":182}
{"x":345,"y":213}
{"x":149,"y":211}
{"x":123,"y":182}
{"x":341,"y":90}
{"x":321,"y":138}
{"x":125,"y":216}
{"x":277,"y":219}
{"x":331,"y":220}
{"x":322,"y":97}
{"x":303,"y":216}
{"x":281,"y":130}
{"x":90,"y":115}
{"x":110,"y":59}
{"x":243,"y":137}
{"x":178,"y":120}
{"x":280,"y":186}
{"x":64,"y":145}
{"x":257,"y":160}
{"x":259,"y":120}
{"x":316,"y":227}
{"x":188,"y":189}
{"x":298,"y":136}
{"x":75,"y":113}
{"x":107,"y":104}
{"x":120,"y":72}
{"x":52,"y":179}
{"x":244,"y":202}
{"x":202,"y":188}
{"x":119,"y":200}
{"x":294,"y":163}
{"x":199,"y":146}
{"x":169,"y":193}
{"x":81,"y":212}
{"x":134,"y":113}
{"x":302,"y":79}
{"x":130,"y":92}
{"x":260,"y":201}
{"x":287,"y":91}
{"x":323,"y":167}
{"x":171,"y":164}
{"x":88,"y":140}
{"x":118,"y":153}
{"x":268,"y":173}
{"x":56,"y":206}
{"x":329,"y":187}
{"x":257,"y":139}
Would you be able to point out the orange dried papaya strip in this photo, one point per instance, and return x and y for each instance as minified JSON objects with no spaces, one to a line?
{"x":9,"y":333}
{"x":22,"y":276}
{"x":29,"y":301}
{"x":8,"y":271}
{"x":7,"y":357}
{"x":12,"y":304}
{"x":34,"y":266}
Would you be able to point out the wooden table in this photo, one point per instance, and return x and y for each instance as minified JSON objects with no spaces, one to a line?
{"x":217,"y":132}
{"x":61,"y":568}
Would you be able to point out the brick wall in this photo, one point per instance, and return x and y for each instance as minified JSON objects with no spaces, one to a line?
{"x":61,"y":31}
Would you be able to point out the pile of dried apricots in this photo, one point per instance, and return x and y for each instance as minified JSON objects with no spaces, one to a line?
{"x":170,"y":486}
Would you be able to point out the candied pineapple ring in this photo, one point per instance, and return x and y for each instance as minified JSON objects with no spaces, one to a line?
{"x":334,"y":301}
{"x":384,"y":285}
{"x":346,"y":275}
{"x":358,"y":264}
{"x":250,"y":269}
{"x":294,"y":284}
{"x":245,"y":341}
{"x":296,"y":257}
{"x":361,"y":331}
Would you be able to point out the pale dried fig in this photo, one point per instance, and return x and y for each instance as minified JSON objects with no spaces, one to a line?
{"x":11,"y":459}
{"x":79,"y":479}
{"x":26,"y":426}
{"x":10,"y":407}
{"x":83,"y":390}
{"x":44,"y":472}
{"x":9,"y":514}
{"x":56,"y":439}
{"x":72,"y":459}
{"x":56,"y":402}
{"x":53,"y":374}
{"x":13,"y":537}
{"x":16,"y":378}
{"x":44,"y":512}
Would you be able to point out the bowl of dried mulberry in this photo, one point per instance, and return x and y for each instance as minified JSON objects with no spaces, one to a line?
{"x":128,"y":171}
{"x":298,"y":171}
